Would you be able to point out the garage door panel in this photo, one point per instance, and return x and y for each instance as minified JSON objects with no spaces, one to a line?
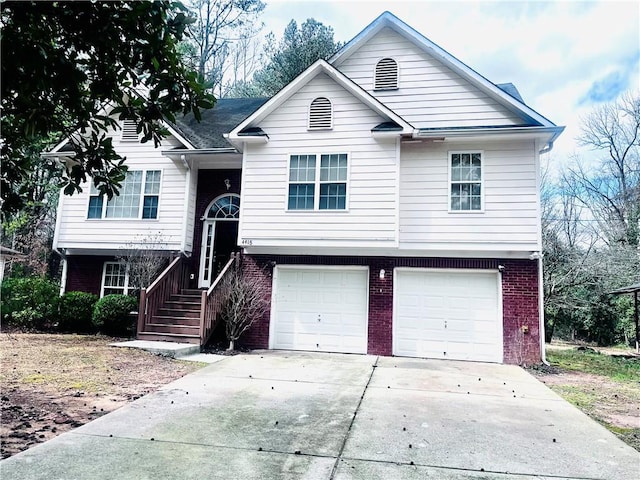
{"x":452,"y":314}
{"x":320,"y":309}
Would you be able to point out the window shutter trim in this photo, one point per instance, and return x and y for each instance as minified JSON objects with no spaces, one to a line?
{"x":320,"y":114}
{"x":129,"y":131}
{"x":386,"y":74}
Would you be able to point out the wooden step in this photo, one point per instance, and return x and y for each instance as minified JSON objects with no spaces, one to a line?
{"x":191,"y":292}
{"x":176,"y":297}
{"x":173,"y":329}
{"x":181,"y":305}
{"x":175,"y":320}
{"x":179,"y":312}
{"x":164,"y":337}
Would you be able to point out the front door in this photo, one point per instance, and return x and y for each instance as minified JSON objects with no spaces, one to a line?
{"x":219,"y":237}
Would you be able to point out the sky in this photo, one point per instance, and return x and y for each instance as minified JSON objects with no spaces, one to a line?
{"x":565,"y":57}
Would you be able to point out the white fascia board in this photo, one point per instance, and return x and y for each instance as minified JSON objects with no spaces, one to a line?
{"x":188,"y":145}
{"x":305,"y":77}
{"x":387,"y":19}
{"x":545,"y":134}
{"x":390,"y":251}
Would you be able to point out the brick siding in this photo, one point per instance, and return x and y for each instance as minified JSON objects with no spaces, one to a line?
{"x":84,"y":273}
{"x":520,"y":312}
{"x":519,"y":284}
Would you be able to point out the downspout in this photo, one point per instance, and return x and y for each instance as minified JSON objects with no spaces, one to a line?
{"x":56,"y":235}
{"x":548,"y":148}
{"x":63,"y":277}
{"x":543,"y":353}
{"x":185,"y":213}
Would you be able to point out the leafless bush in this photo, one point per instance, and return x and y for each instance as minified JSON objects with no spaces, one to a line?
{"x":144,"y":259}
{"x":245,"y":303}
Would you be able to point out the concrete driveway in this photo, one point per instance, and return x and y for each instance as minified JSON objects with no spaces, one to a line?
{"x":285,"y":415}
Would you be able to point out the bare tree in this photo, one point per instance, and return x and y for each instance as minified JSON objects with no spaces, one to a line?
{"x":245,"y":303}
{"x":611,"y":190}
{"x":244,"y":59}
{"x":214,"y":32}
{"x":144,"y":259}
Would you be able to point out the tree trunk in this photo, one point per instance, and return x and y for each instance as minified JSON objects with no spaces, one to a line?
{"x":231,"y":346}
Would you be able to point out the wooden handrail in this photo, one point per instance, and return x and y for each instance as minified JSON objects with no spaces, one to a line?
{"x":212,"y":301}
{"x":164,"y":273}
{"x":168,"y":283}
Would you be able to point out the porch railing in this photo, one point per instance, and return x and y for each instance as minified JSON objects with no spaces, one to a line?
{"x":213,"y":301}
{"x":152,"y":298}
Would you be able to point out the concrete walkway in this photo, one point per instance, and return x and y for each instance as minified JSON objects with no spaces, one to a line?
{"x":284,"y":415}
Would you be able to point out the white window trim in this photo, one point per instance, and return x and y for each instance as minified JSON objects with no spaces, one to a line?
{"x":126,"y":288}
{"x":449,"y":182}
{"x":311,"y":128}
{"x":317,"y":182}
{"x":375,"y":68}
{"x":140,"y":204}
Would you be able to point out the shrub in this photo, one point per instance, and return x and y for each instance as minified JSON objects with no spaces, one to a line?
{"x":111,"y":314}
{"x":29,"y":303}
{"x":76,"y":311}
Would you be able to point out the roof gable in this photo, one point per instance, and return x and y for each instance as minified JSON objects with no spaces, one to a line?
{"x":304,"y":78}
{"x":388,"y":20}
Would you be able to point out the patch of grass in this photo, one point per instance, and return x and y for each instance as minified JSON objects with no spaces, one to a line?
{"x":630,"y":436}
{"x":617,"y":368}
{"x":576,"y":395}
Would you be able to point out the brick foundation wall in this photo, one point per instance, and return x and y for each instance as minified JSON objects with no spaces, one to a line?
{"x":84,"y":273}
{"x":519,"y":284}
{"x":520,"y":310}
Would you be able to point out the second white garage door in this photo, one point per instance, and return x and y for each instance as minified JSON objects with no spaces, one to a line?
{"x":452,"y":314}
{"x":320,"y":309}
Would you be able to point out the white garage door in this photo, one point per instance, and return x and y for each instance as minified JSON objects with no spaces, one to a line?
{"x":320,"y":309}
{"x":447,"y":314}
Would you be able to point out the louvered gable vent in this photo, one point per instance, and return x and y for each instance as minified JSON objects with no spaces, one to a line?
{"x":320,"y":114}
{"x":129,"y":131}
{"x":386,"y":75}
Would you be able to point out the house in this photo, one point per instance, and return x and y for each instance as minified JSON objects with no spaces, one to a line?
{"x":387,"y":199}
{"x":6,"y":255}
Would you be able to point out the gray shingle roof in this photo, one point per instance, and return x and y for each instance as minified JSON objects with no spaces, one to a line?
{"x":511,"y":89}
{"x":222,"y":118}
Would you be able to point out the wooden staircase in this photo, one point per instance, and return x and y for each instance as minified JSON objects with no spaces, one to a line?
{"x":170,"y":313}
{"x":177,"y":320}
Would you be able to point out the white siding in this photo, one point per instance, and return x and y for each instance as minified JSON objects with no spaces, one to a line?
{"x":510,"y":217}
{"x":370,"y":218}
{"x":430,"y":94}
{"x":76,"y":231}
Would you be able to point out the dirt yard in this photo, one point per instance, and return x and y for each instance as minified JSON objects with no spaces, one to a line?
{"x":50,"y":384}
{"x":611,"y":396}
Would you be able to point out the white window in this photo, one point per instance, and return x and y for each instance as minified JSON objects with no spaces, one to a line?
{"x":466,"y":181}
{"x":138,"y":198}
{"x":386,"y":75}
{"x":320,"y":114}
{"x":317,"y":185}
{"x":115,"y":279}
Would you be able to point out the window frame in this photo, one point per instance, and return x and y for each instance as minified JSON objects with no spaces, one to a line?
{"x":95,"y":194}
{"x":317,"y":182}
{"x":450,"y":181}
{"x":126,"y":288}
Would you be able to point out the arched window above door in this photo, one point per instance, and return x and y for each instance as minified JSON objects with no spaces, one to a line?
{"x":225,"y":207}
